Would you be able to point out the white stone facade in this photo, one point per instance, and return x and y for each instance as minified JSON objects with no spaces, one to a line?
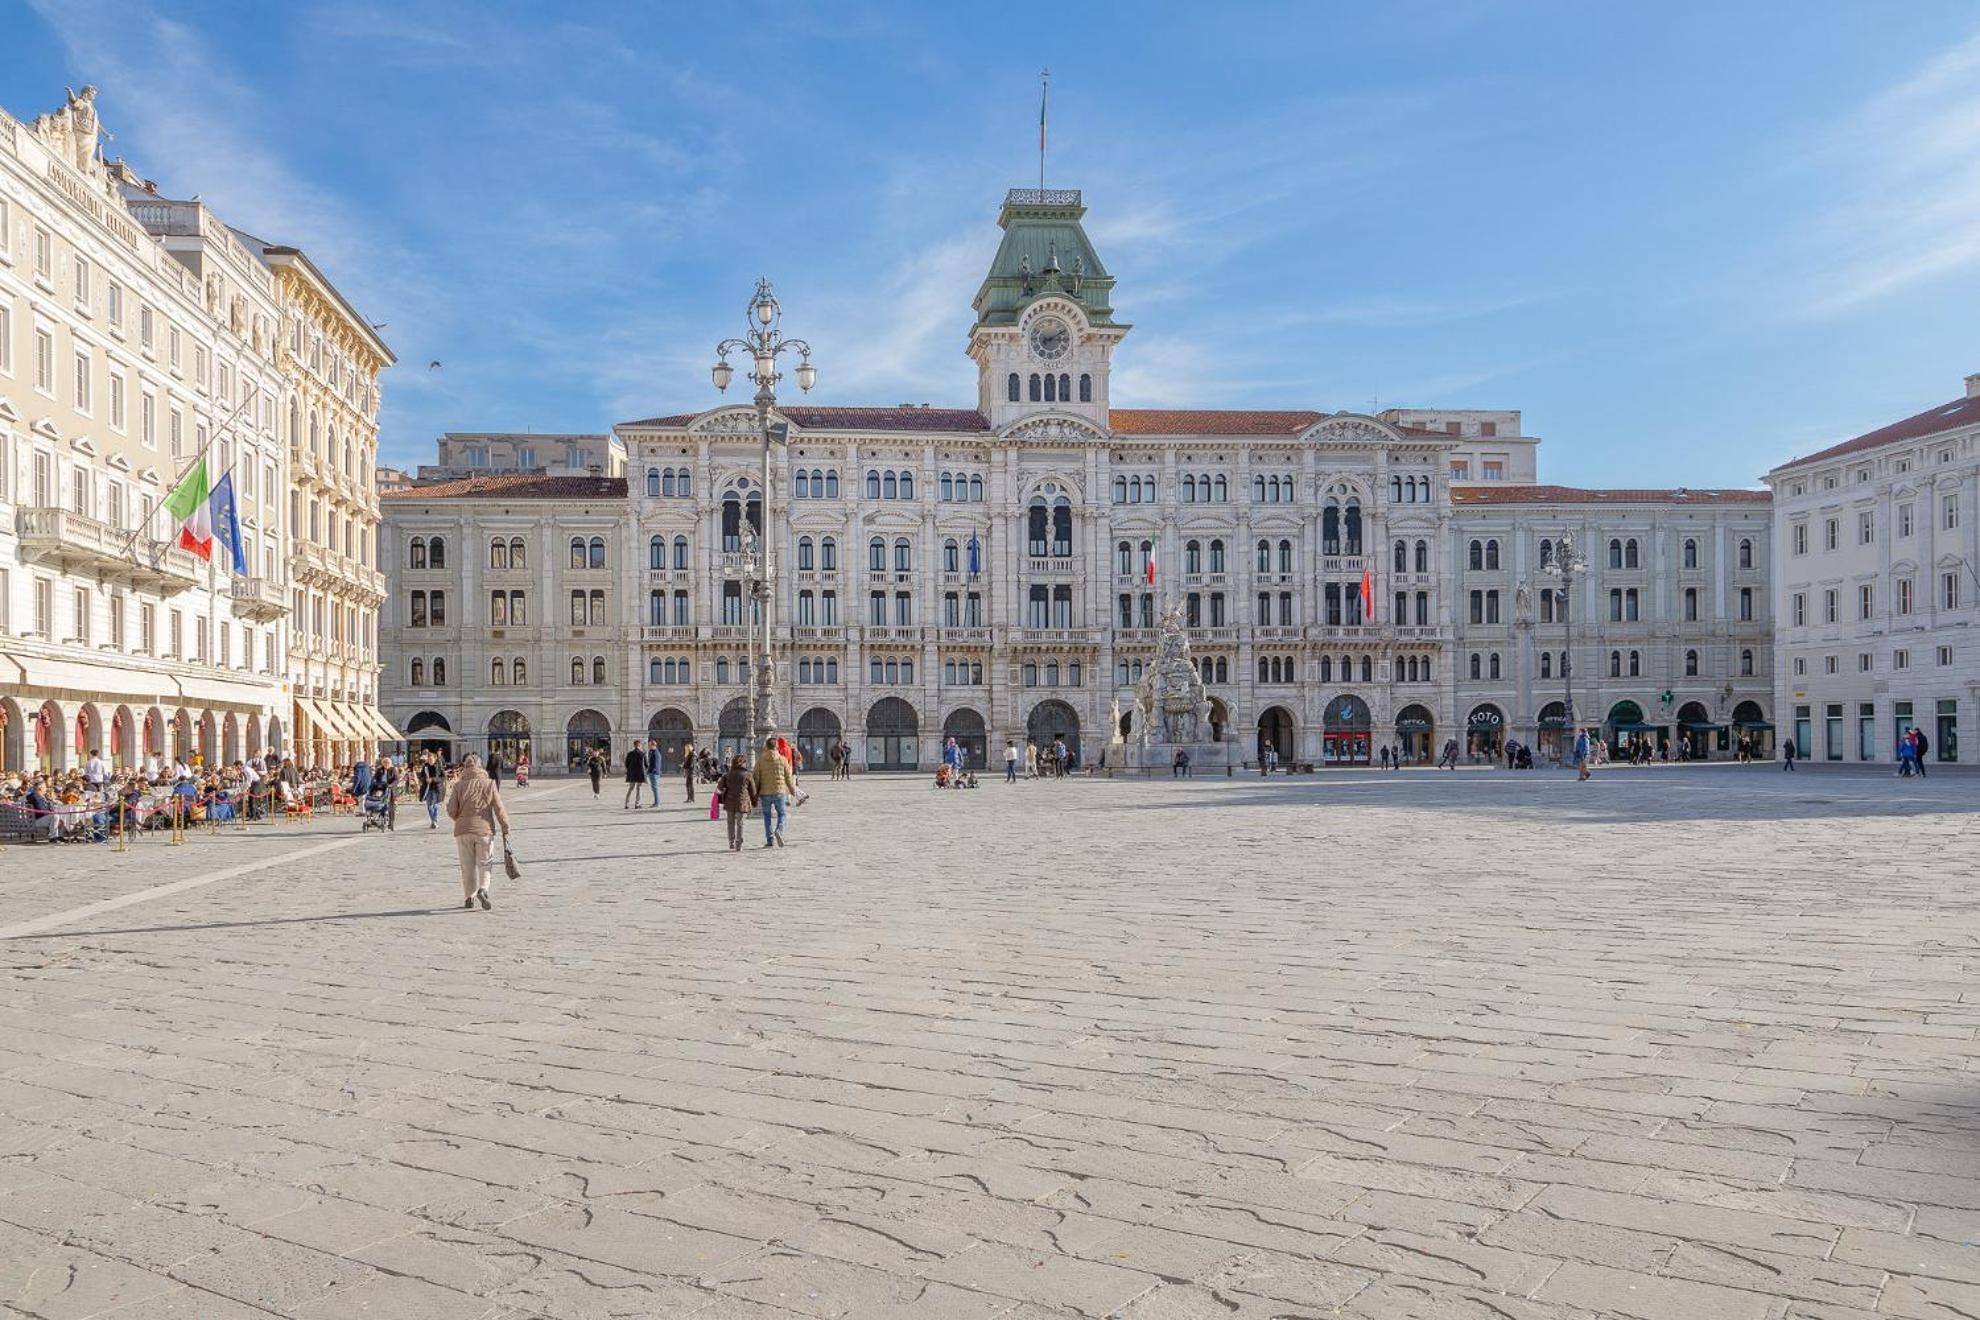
{"x":983,"y":572}
{"x":1878,"y":543}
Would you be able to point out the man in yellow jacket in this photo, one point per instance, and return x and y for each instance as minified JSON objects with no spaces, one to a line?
{"x":773,"y":781}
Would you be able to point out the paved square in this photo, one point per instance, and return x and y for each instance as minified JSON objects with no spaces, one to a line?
{"x":1678,"y":1044}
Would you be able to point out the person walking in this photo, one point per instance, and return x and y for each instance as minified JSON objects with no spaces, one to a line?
{"x":1583,"y":750}
{"x":477,"y":812}
{"x":1030,"y":759}
{"x":360,"y":778}
{"x":1905,"y":754}
{"x":495,"y":769}
{"x":1919,"y":745}
{"x":522,"y":771}
{"x":738,"y":791}
{"x":1010,"y":760}
{"x":635,"y":776}
{"x":432,"y":779}
{"x":653,"y":771}
{"x":687,"y":768}
{"x":387,"y":777}
{"x":594,"y":765}
{"x":1448,"y":760}
{"x":1788,"y":752}
{"x":774,"y":784}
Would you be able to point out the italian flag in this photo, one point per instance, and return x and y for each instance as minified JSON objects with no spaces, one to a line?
{"x":187,"y":504}
{"x":1154,"y":553}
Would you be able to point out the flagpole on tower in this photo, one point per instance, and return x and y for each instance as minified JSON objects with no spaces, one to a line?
{"x":1044,"y":95}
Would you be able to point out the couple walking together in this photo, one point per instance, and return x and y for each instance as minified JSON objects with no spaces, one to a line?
{"x":770,"y":783}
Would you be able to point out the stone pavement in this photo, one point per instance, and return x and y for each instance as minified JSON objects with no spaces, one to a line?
{"x":1678,"y":1044}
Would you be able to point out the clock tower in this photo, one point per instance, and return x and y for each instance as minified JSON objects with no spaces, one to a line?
{"x":1045,"y":331}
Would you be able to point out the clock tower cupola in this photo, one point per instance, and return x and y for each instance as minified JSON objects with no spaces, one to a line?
{"x":1045,"y":331}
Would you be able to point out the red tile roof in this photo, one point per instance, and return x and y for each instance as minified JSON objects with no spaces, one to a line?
{"x":1209,"y":421}
{"x":513,"y":487}
{"x":1945,"y":417}
{"x":907,"y":417}
{"x":1495,"y":494}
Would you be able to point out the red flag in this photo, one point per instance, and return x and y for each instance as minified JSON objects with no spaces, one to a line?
{"x":1151,"y":560}
{"x":1367,"y":595}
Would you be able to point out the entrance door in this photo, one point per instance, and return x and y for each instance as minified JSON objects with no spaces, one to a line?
{"x":1054,"y":721}
{"x":817,"y":735}
{"x":966,"y":727}
{"x":1275,"y":734}
{"x":893,"y":735}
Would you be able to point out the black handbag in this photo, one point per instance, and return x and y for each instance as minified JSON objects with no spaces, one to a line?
{"x":509,"y":867}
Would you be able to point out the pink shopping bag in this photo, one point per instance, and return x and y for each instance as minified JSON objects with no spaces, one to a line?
{"x":714,"y":806}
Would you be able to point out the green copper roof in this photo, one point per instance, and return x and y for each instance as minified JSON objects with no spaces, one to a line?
{"x":1045,"y":251}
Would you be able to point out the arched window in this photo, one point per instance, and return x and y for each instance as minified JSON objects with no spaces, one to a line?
{"x":498,"y":673}
{"x":1326,"y":669}
{"x":1264,"y":556}
{"x":1402,"y":557}
{"x":436,"y":552}
{"x":1216,"y":556}
{"x":1492,"y":554}
{"x":1745,"y":553}
{"x":876,"y":555}
{"x":1475,"y":555}
{"x":1395,"y":490}
{"x":946,"y":488}
{"x":680,"y":552}
{"x":577,"y":552}
{"x":1477,"y":663}
{"x":667,"y":487}
{"x":519,"y":671}
{"x":1188,"y":488}
{"x":1493,"y":667}
{"x":498,"y":553}
{"x":652,"y":483}
{"x":1085,"y":388}
{"x":656,"y":552}
{"x":517,"y":559}
{"x":951,"y":556}
{"x":903,"y":556}
{"x":419,"y":673}
{"x":1285,"y":557}
{"x":907,"y":485}
{"x":1065,"y":387}
{"x":976,"y":490}
{"x":873,"y":485}
{"x":1423,"y":556}
{"x":832,"y":485}
{"x":1012,"y":388}
{"x":1120,"y":490}
{"x":1258,"y":490}
{"x":890,"y":485}
{"x":1546,"y":664}
{"x":1635,"y":664}
{"x":596,"y":552}
{"x":1546,"y":553}
{"x":828,"y":555}
{"x":1193,"y":557}
{"x":1037,"y":387}
{"x":439,"y":672}
{"x":1062,"y":527}
{"x":1220,"y":490}
{"x":598,"y":670}
{"x":1615,"y":664}
{"x":1629,"y":554}
{"x":1746,"y":664}
{"x":416,"y":553}
{"x":1690,"y":552}
{"x":1691,"y":664}
{"x":804,"y":552}
{"x":1615,"y":552}
{"x":1124,"y":559}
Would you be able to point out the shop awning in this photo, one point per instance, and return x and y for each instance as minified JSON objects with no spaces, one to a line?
{"x":1413,"y":726}
{"x":1639,"y":728}
{"x":88,"y":682}
{"x":1697,"y":727}
{"x":218,"y":692}
{"x":320,"y":722}
{"x":1553,"y":722}
{"x":383,"y":725}
{"x":1765,"y":726}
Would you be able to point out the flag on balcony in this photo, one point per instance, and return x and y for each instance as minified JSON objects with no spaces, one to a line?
{"x":1152,"y":554}
{"x":975,"y":556}
{"x":225,"y":518}
{"x":1368,"y":595}
{"x":187,"y":503}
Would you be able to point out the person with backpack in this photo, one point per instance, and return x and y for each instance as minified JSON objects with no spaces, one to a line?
{"x":738,"y":792}
{"x":1919,"y":745}
{"x":1788,"y":753}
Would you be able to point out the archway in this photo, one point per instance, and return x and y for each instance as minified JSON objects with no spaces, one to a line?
{"x":586,"y":732}
{"x":508,"y":737}
{"x":1750,"y":722}
{"x":209,"y":738}
{"x":1554,"y":733}
{"x":1484,"y":731}
{"x":1699,"y":735}
{"x":673,"y":730}
{"x":732,"y":729}
{"x":892,"y":735}
{"x":1628,"y":731}
{"x":230,"y":739}
{"x":1276,"y":733}
{"x":89,"y":732}
{"x":51,"y":742}
{"x":818,"y":732}
{"x":123,"y":738}
{"x":1054,"y":721}
{"x":274,"y":747}
{"x":254,"y":736}
{"x":1416,"y":734}
{"x":429,"y":731}
{"x":966,"y":727}
{"x":1346,"y":725}
{"x":1220,"y":720}
{"x":13,"y":725}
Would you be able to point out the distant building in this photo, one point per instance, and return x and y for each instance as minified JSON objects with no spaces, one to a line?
{"x":1877,"y":542}
{"x":490,"y":453}
{"x":996,"y":572}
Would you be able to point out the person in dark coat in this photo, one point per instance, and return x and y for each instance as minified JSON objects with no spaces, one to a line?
{"x":635,"y":776}
{"x":687,"y":769}
{"x":595,"y":765}
{"x":738,"y":798}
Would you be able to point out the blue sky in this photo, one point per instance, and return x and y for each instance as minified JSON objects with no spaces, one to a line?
{"x":1687,"y":240}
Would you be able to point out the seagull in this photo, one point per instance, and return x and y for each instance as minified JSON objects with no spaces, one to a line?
{"x":379,"y":325}
{"x":433,"y":365}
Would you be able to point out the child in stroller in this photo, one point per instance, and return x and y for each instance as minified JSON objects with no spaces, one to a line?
{"x":377,"y":807}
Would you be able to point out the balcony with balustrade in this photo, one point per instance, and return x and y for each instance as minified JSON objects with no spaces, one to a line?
{"x":259,"y":599}
{"x":75,"y":543}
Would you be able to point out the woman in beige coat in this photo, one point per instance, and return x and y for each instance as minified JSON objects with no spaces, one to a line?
{"x":476,"y":810}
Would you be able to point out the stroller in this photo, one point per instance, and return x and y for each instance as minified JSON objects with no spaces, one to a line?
{"x":377,"y":806}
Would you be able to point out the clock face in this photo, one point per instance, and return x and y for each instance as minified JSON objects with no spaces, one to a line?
{"x":1050,"y":339}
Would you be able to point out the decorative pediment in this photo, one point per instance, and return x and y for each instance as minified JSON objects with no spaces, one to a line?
{"x":149,"y":476}
{"x":46,"y":427}
{"x":1950,"y":561}
{"x":1051,"y":485}
{"x":82,"y":445}
{"x":1352,"y":429}
{"x":1903,"y":568}
{"x":119,"y":462}
{"x":726,"y":421}
{"x":7,"y":413}
{"x":1055,"y":428}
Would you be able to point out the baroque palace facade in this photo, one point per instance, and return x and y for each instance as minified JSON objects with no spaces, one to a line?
{"x":138,"y":333}
{"x":985,"y":572}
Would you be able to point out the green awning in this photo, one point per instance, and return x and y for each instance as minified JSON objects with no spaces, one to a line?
{"x":1764,"y":725}
{"x":1639,"y":728}
{"x":1554,"y":722}
{"x":1704,"y":728}
{"x":1412,"y":726}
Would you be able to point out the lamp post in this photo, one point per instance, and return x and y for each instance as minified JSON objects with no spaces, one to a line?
{"x":1567,"y":564}
{"x":763,"y":343}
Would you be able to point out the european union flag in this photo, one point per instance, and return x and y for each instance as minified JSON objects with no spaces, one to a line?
{"x":975,"y":556}
{"x":227,"y":523}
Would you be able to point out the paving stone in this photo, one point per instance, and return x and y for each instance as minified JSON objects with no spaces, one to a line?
{"x":1644,"y":1297}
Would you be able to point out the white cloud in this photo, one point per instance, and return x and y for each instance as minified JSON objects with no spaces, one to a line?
{"x":1907,"y":206}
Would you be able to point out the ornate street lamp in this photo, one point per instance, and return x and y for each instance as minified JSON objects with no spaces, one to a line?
{"x":763,"y":343}
{"x":1567,"y":564}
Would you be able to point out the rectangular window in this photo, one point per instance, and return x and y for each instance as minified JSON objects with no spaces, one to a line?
{"x":117,"y":407}
{"x":82,"y":283}
{"x":1904,"y":520}
{"x":82,"y":615}
{"x":1801,"y":538}
{"x":1948,"y":748}
{"x":44,"y":362}
{"x":1800,"y":610}
{"x":1904,"y":595}
{"x":44,"y":607}
{"x":1832,"y":731}
{"x":1866,"y":528}
{"x":1829,"y":665}
{"x":44,"y":253}
{"x":1866,"y":731}
{"x":144,"y":326}
{"x":1831,"y":611}
{"x":1949,"y":512}
{"x":83,"y":397}
{"x":114,"y":293}
{"x":1866,"y":600}
{"x":1945,"y":655}
{"x":6,"y":339}
{"x":1900,"y":659}
{"x":1949,"y":591}
{"x":1746,"y":604}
